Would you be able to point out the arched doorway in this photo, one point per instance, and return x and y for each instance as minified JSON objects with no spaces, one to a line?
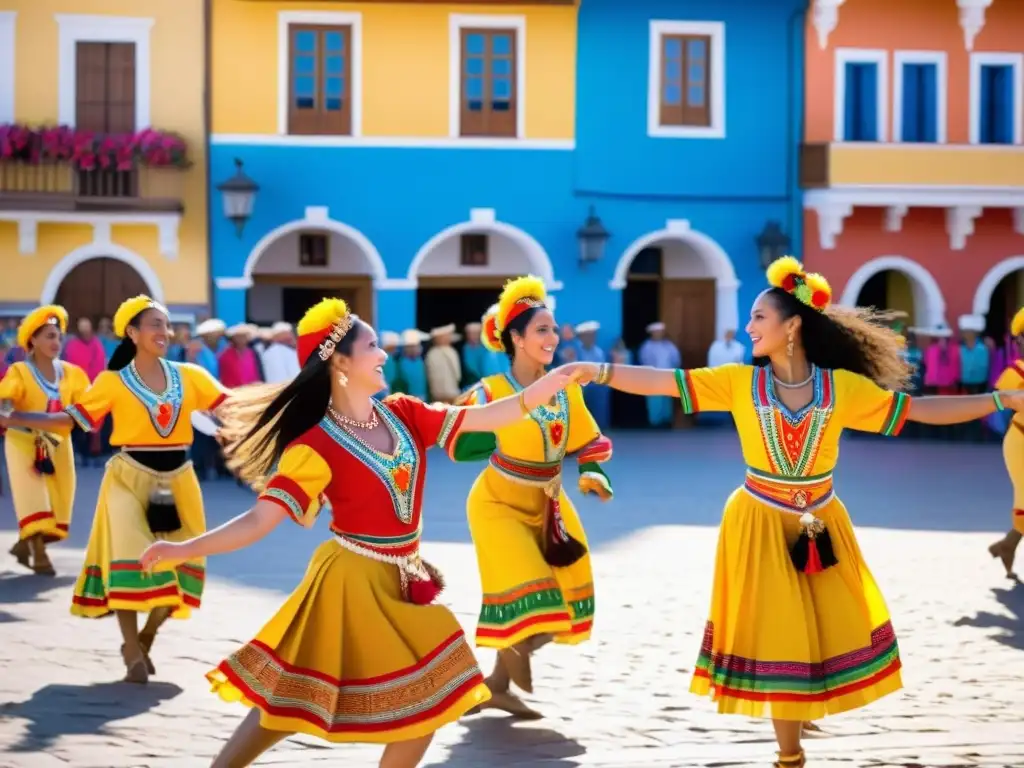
{"x":889,"y":289}
{"x":999,"y":295}
{"x":898,"y":283}
{"x":297,"y":264}
{"x":96,"y":287}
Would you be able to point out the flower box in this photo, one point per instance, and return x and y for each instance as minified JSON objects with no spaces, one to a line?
{"x":92,"y":151}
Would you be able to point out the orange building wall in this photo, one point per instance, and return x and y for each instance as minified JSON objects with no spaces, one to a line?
{"x":893,"y":25}
{"x":923,"y":239}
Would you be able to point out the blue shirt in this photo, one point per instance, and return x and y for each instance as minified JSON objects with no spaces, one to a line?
{"x":974,"y":363}
{"x":473,"y":356}
{"x":207,"y":358}
{"x":414,"y":372}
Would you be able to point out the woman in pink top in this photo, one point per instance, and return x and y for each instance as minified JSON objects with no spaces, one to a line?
{"x":238,"y":363}
{"x":941,"y":363}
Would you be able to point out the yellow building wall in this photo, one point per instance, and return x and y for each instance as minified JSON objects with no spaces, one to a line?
{"x":900,"y":294}
{"x":176,"y":104}
{"x":405,"y":55}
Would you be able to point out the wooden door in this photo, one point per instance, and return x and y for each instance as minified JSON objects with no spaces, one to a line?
{"x":688,"y":311}
{"x":96,"y":288}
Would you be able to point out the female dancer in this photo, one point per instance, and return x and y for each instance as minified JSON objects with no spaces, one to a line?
{"x":149,"y":490}
{"x":41,"y":466}
{"x":798,"y":627}
{"x":530,"y":544}
{"x":1013,"y":454}
{"x":357,"y":653}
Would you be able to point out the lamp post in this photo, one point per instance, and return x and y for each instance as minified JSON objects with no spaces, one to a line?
{"x":592,"y":237}
{"x":772,"y":243}
{"x":239,"y":194}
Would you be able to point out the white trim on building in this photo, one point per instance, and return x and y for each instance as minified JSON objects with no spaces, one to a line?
{"x":979,"y":60}
{"x":876,"y":56}
{"x":939,"y":60}
{"x":659,"y":28}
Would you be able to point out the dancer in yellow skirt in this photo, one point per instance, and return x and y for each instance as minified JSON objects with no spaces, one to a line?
{"x":798,"y":627}
{"x":149,"y":490}
{"x":1013,"y":454}
{"x":358,"y":653}
{"x":530,"y":544}
{"x":41,"y":466}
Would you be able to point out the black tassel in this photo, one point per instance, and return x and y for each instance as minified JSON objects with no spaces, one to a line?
{"x":43,"y":463}
{"x":560,"y":549}
{"x":813,"y":551}
{"x":825,"y":550}
{"x":162,"y":513}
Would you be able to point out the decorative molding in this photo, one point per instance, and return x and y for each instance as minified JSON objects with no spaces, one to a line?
{"x":832,"y":215}
{"x":990,"y":282}
{"x":727,"y":313}
{"x":456,"y":23}
{"x":979,"y":60}
{"x":938,"y":59}
{"x":916,"y":196}
{"x":972,"y":19}
{"x":101,"y":250}
{"x":8,"y":21}
{"x":826,"y":19}
{"x":715,"y":30}
{"x":485,"y":219}
{"x":929,"y":303}
{"x":167,"y":225}
{"x":880,"y":58}
{"x":960,"y":224}
{"x":388,"y":142}
{"x":354,"y":20}
{"x":79,"y":28}
{"x":894,"y":217}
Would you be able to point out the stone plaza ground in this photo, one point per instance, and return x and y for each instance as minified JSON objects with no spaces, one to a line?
{"x":926,"y":512}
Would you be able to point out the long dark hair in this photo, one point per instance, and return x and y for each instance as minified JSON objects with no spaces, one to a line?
{"x":855,"y":339}
{"x":261,"y":420}
{"x":518,"y":325}
{"x":125,"y":352}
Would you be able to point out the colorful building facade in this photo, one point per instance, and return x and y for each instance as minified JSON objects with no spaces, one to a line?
{"x":103,"y":189}
{"x":913,"y":159}
{"x":412,"y":156}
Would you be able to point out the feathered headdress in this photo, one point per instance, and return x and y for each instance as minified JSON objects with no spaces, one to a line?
{"x":321,"y":329}
{"x":517,"y":296}
{"x":131,"y":309}
{"x":52,"y":314}
{"x":810,"y":288}
{"x":1017,"y":326}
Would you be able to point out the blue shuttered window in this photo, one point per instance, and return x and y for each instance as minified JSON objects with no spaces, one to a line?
{"x":998,"y":104}
{"x":920,"y":107}
{"x":861,"y":106}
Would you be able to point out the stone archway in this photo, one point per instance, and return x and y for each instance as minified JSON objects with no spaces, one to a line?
{"x":929,"y":303}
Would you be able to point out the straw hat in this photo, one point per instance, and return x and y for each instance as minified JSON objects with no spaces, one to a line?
{"x":389,"y":339}
{"x":411,"y":337}
{"x":590,"y":326}
{"x":973,"y":323}
{"x":241,"y":329}
{"x":445,"y":330}
{"x":211,"y":327}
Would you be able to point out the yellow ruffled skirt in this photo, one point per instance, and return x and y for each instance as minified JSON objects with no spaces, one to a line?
{"x":347,"y":659}
{"x":1013,"y":455}
{"x":42,"y":503}
{"x":112,"y":578}
{"x":789,"y":645}
{"x":523,"y":596}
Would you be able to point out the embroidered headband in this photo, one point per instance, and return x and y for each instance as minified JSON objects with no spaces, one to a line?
{"x":322,"y":328}
{"x":809,"y":288}
{"x":517,"y":296}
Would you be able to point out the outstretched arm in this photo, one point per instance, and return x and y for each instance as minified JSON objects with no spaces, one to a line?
{"x":954,"y":409}
{"x":634,"y":379}
{"x":508,"y":410}
{"x":46,"y":422}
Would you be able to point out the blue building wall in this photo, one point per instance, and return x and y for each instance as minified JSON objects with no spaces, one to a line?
{"x":726,"y":188}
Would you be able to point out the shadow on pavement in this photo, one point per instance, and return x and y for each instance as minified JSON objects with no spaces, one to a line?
{"x":61,"y":710}
{"x":1012,"y":627}
{"x":28,"y":588}
{"x":498,"y":740}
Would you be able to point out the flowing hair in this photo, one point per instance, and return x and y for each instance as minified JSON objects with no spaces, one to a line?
{"x":261,"y":420}
{"x":855,"y":339}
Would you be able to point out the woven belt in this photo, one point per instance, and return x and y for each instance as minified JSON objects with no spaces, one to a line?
{"x":538,"y":474}
{"x":790,"y":494}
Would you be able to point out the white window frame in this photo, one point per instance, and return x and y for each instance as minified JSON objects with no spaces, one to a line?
{"x":7,"y":61}
{"x":79,"y":28}
{"x":353,"y":20}
{"x":456,"y":23}
{"x":938,"y":59}
{"x":659,"y":28}
{"x":979,"y":60}
{"x":878,"y":57}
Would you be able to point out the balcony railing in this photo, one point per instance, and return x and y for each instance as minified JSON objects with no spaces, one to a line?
{"x":911,"y":165}
{"x":61,"y":187}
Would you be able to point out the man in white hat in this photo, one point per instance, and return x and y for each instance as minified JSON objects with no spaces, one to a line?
{"x":238,"y":363}
{"x":412,"y":372}
{"x":474,"y":354}
{"x":280,"y":363}
{"x":444,"y":370}
{"x":659,"y":352}
{"x":975,"y":359}
{"x":597,"y":398}
{"x":208,"y":344}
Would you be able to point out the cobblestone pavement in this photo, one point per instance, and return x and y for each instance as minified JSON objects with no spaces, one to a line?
{"x":621,"y":700}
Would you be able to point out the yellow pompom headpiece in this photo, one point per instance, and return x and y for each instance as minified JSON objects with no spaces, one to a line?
{"x":322,"y":328}
{"x":1017,"y":326}
{"x":52,"y":314}
{"x":131,"y":309}
{"x":517,"y":296}
{"x":809,"y":288}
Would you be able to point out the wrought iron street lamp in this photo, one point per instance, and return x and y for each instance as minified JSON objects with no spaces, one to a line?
{"x":592,"y":236}
{"x":772,"y":243}
{"x":239,"y":195}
